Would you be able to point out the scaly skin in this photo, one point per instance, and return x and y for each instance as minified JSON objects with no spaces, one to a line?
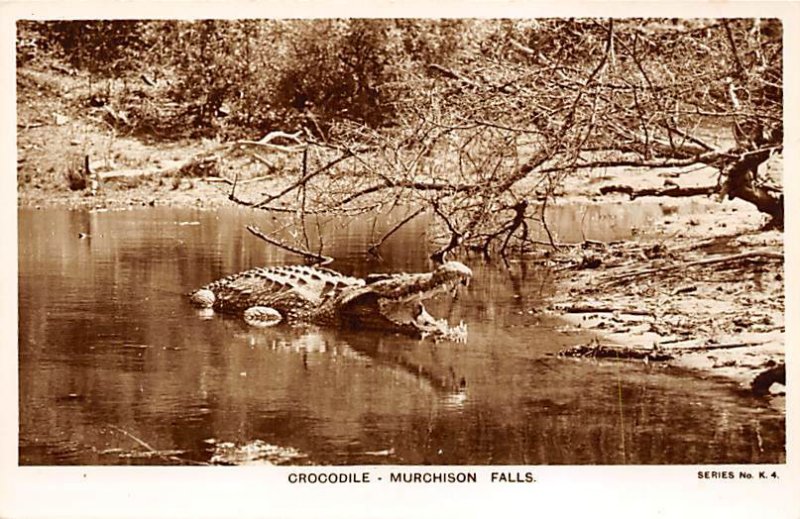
{"x":300,"y":294}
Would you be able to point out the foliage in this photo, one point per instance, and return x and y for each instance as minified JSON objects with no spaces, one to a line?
{"x":232,"y":77}
{"x":107,"y":47}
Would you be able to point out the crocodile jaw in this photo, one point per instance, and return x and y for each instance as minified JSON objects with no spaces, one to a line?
{"x":438,"y":329}
{"x":418,"y":287}
{"x":395,"y":304}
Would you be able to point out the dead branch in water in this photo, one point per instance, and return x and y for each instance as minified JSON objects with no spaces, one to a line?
{"x":373,"y":249}
{"x":591,"y":309}
{"x":595,"y":350}
{"x":764,"y":380}
{"x":518,"y":221}
{"x":456,"y":237}
{"x":673,"y":191}
{"x":710,"y":261}
{"x":312,"y":257}
{"x":711,"y":347}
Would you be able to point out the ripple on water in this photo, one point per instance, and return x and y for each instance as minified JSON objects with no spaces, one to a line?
{"x":257,"y":452}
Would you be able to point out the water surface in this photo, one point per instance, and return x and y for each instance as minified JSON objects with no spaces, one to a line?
{"x":114,"y":362}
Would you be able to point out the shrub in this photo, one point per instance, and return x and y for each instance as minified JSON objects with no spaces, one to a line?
{"x":106,"y":47}
{"x":76,"y":174}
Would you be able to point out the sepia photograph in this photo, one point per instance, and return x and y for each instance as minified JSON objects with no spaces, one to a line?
{"x":401,"y":242}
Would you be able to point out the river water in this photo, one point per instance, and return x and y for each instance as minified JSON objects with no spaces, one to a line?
{"x":116,"y":367}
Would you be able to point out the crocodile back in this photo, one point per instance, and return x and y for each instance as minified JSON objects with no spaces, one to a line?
{"x":295,"y":290}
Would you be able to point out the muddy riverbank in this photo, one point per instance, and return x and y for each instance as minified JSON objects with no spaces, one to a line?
{"x":708,"y":297}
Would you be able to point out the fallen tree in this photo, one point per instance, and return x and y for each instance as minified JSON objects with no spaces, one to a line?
{"x":485,"y":146}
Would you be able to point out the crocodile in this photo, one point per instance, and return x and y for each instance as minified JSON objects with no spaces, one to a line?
{"x":296,"y":294}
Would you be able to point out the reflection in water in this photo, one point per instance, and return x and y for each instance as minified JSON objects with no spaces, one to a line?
{"x":109,"y":343}
{"x":253,"y":453}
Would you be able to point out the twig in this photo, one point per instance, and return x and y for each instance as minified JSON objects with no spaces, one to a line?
{"x":522,"y":48}
{"x":304,"y":180}
{"x":373,"y":249}
{"x":452,"y":74}
{"x":271,"y":136}
{"x":456,"y":237}
{"x":734,"y":49}
{"x":304,"y":172}
{"x":218,"y":180}
{"x":154,"y":451}
{"x":316,"y":258}
{"x":134,"y":438}
{"x":418,"y":186}
{"x":545,"y":227}
{"x":28,"y":126}
{"x":519,"y":220}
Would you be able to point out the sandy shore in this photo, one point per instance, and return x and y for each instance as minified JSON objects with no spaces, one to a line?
{"x":703,"y":292}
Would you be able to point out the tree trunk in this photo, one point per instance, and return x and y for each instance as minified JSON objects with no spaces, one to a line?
{"x":741,"y":183}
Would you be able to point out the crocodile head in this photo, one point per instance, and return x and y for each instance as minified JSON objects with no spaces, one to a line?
{"x":394,"y":302}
